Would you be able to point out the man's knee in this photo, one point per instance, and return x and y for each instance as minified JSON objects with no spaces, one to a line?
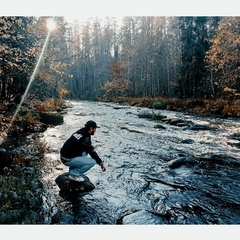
{"x":92,"y":163}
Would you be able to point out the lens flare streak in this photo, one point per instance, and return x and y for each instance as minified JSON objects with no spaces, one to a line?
{"x":31,"y":79}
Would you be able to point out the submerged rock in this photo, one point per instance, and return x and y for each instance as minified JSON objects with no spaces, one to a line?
{"x":200,"y":127}
{"x":141,"y":217}
{"x":175,"y":163}
{"x":187,"y":141}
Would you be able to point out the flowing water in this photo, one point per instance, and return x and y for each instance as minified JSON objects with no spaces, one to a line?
{"x":139,"y":186}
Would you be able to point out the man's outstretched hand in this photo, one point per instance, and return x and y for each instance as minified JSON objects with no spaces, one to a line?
{"x":103,"y":167}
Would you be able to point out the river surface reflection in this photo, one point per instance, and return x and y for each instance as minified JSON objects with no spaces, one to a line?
{"x":139,"y":187}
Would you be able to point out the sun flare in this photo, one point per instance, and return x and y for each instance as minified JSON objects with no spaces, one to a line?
{"x":51,"y":25}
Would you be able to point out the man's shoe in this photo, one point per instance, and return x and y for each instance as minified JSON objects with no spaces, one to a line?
{"x":77,"y":179}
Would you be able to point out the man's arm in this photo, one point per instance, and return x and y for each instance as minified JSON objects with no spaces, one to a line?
{"x":90,"y":150}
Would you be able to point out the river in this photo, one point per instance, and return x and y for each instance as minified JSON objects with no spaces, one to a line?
{"x":139,"y":187}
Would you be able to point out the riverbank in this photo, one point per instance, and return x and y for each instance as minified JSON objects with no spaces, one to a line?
{"x":219,"y":107}
{"x":21,"y":162}
{"x":28,"y":121}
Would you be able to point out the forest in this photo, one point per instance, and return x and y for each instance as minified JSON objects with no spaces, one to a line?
{"x":107,"y":58}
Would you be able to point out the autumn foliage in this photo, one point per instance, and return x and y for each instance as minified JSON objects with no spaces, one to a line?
{"x":119,"y":86}
{"x":223,"y":58}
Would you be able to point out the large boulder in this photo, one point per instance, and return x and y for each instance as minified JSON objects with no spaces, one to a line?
{"x":68,"y":187}
{"x":53,"y":118}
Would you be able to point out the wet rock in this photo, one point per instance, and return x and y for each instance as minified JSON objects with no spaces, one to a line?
{"x":216,"y":111}
{"x":235,"y":140}
{"x":182,"y":124}
{"x":70,"y":187}
{"x":235,"y":136}
{"x":175,"y":163}
{"x":2,"y":151}
{"x":5,"y":159}
{"x":175,"y":121}
{"x":141,"y":217}
{"x":51,"y":118}
{"x":234,"y":143}
{"x":159,"y":126}
{"x":63,"y":218}
{"x":159,"y":105}
{"x":131,"y":130}
{"x":200,"y":127}
{"x":158,"y":116}
{"x":120,"y":107}
{"x":29,"y":170}
{"x":219,"y":159}
{"x":144,"y":115}
{"x":187,"y":141}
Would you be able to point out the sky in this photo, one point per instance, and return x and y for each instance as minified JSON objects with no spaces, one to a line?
{"x":91,"y":8}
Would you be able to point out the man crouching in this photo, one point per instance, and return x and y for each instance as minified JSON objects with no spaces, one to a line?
{"x":74,"y":152}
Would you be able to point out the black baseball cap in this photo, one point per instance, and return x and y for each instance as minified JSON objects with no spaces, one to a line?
{"x":90,"y":124}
